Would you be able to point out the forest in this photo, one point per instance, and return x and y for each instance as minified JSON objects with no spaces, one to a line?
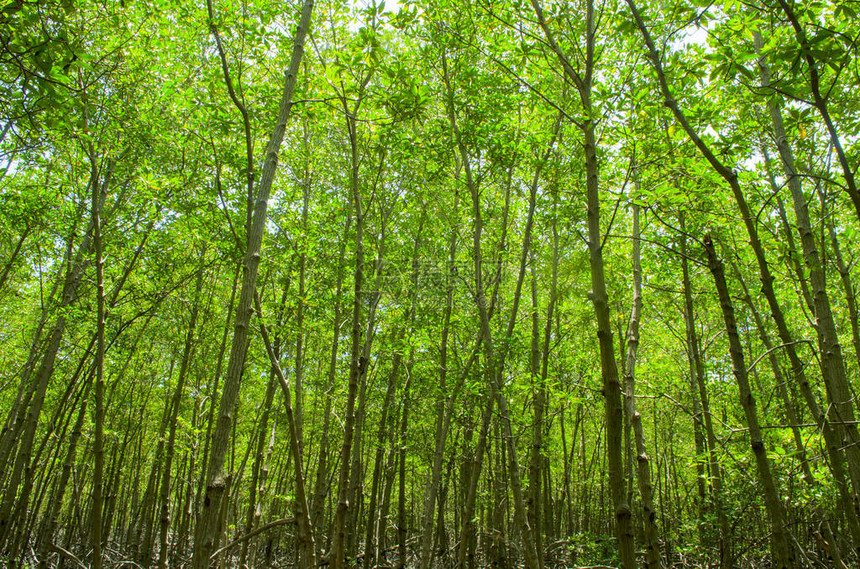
{"x":429,"y":284}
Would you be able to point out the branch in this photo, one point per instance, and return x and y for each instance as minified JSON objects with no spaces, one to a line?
{"x":246,"y":537}
{"x":62,"y":551}
{"x":773,"y":349}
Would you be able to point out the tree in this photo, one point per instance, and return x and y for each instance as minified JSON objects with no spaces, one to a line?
{"x":347,"y":315}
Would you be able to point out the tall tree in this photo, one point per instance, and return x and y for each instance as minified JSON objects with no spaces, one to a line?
{"x":216,"y":477}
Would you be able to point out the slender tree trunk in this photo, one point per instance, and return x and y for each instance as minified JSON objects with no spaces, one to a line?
{"x":25,"y":464}
{"x":213,"y":395}
{"x":381,"y":521}
{"x":608,"y":366}
{"x":53,"y":514}
{"x":355,"y":489}
{"x":27,"y":418}
{"x":643,"y":463}
{"x":321,"y":485}
{"x":145,"y":538}
{"x":832,"y":363}
{"x":443,"y":410}
{"x":4,"y":274}
{"x":496,"y":529}
{"x":304,"y":529}
{"x":358,"y":363}
{"x":253,"y":511}
{"x":470,"y":478}
{"x":700,"y":398}
{"x":98,"y":441}
{"x":252,"y":516}
{"x":495,"y":360}
{"x":370,"y":537}
{"x":182,"y":538}
{"x":791,"y":417}
{"x":15,"y":419}
{"x":175,"y":405}
{"x":208,"y":528}
{"x":535,"y":507}
{"x":782,"y":545}
{"x":847,"y":287}
{"x":819,"y":102}
{"x":538,"y":460}
{"x":300,"y":306}
{"x":582,"y":78}
{"x":401,"y":474}
{"x":72,"y":398}
{"x":794,"y":258}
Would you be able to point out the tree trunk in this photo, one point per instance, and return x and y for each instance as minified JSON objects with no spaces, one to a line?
{"x":443,"y":409}
{"x":27,"y":419}
{"x":208,"y":529}
{"x":358,"y":362}
{"x":321,"y":485}
{"x":401,"y":474}
{"x":819,"y":102}
{"x":252,"y":516}
{"x":782,"y":545}
{"x":847,"y":287}
{"x":53,"y":513}
{"x":495,"y":361}
{"x":643,"y":463}
{"x":582,"y":77}
{"x":304,"y":529}
{"x":370,"y":536}
{"x":832,"y":364}
{"x":175,"y":405}
{"x":99,"y":190}
{"x":700,"y":398}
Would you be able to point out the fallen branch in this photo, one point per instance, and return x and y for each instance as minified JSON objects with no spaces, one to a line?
{"x":69,"y":555}
{"x":254,"y":533}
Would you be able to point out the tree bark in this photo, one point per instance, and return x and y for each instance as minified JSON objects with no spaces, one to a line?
{"x":28,"y":414}
{"x":401,"y":473}
{"x":820,"y":102}
{"x":443,"y":409}
{"x":99,"y":190}
{"x":321,"y":485}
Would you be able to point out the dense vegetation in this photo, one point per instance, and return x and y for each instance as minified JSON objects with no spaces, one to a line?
{"x":433,"y":284}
